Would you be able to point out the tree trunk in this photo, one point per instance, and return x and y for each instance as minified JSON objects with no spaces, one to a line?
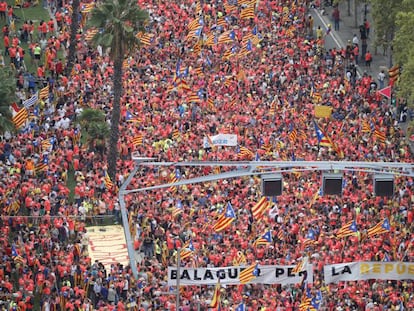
{"x":356,"y":13}
{"x":115,"y":116}
{"x":74,"y":26}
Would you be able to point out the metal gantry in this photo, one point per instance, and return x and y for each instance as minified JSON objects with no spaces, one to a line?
{"x":243,"y":169}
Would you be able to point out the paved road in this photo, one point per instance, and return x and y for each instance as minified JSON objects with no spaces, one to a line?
{"x":347,"y":29}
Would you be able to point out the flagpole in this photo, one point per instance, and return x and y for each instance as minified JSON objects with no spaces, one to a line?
{"x":177,"y":293}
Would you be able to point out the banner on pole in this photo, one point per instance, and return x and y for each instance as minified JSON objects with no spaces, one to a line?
{"x":268,"y":274}
{"x":368,"y":270}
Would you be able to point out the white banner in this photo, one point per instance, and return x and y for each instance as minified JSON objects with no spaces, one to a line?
{"x":355,"y":271}
{"x":223,"y":140}
{"x":230,"y":275}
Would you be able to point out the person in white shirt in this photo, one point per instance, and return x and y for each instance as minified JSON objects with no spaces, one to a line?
{"x":355,"y":40}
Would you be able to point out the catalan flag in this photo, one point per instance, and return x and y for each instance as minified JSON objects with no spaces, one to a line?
{"x":195,"y":33}
{"x":42,"y":164}
{"x":195,"y":24}
{"x":267,"y":148}
{"x":227,"y":37}
{"x":293,"y":134}
{"x":44,"y":93}
{"x":241,"y":307}
{"x":221,"y":22}
{"x":87,"y":7}
{"x":16,"y":257}
{"x":108,"y":182}
{"x":187,"y":250}
{"x":176,"y":134}
{"x":138,"y":140}
{"x":174,"y":177}
{"x":193,"y":97}
{"x":323,"y":140}
{"x":305,"y":303}
{"x":301,"y":265}
{"x":130,"y":117}
{"x":211,"y":105}
{"x":394,"y":73}
{"x":365,"y":127}
{"x":20,"y":118}
{"x":260,"y":208}
{"x":247,"y":13}
{"x":350,"y":228}
{"x":380,"y":135}
{"x":46,"y":144}
{"x":249,"y":274}
{"x":215,"y":301}
{"x":382,"y":227}
{"x":246,"y":2}
{"x":178,"y":209}
{"x":265,"y":239}
{"x":144,"y":38}
{"x":245,"y":153}
{"x":246,"y":49}
{"x":76,"y":136}
{"x":239,"y":259}
{"x":229,"y":7}
{"x":225,"y":219}
{"x":281,"y":234}
{"x":90,"y":34}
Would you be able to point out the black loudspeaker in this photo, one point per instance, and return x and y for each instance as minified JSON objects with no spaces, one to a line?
{"x":383,"y":185}
{"x":272,"y":185}
{"x":332,"y":184}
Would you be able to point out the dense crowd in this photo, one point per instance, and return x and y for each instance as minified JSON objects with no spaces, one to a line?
{"x":260,"y":82}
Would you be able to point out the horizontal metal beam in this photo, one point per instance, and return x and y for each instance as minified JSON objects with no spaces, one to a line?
{"x":251,"y":172}
{"x":281,"y":164}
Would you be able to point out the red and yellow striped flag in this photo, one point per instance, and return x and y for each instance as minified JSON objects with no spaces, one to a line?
{"x":247,"y":13}
{"x":20,"y":118}
{"x":138,"y":140}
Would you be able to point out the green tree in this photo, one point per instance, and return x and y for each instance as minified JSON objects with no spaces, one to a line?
{"x":403,"y":50}
{"x":118,"y":22}
{"x":94,"y":126}
{"x":7,"y":97}
{"x":74,"y":27}
{"x":384,"y":13}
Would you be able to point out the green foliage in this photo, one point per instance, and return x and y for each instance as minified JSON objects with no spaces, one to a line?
{"x":90,"y":115}
{"x":403,"y":50}
{"x":404,"y":36}
{"x":94,"y":124}
{"x":384,"y":14}
{"x":98,"y":130}
{"x":118,"y":23}
{"x":406,"y":81}
{"x":7,"y":97}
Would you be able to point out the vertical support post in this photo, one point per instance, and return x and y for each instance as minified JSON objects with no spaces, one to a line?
{"x":177,"y":300}
{"x":125,"y":223}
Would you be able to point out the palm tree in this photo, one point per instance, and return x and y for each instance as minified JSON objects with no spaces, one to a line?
{"x":7,"y":97}
{"x":94,"y":125}
{"x":117,"y":22}
{"x":74,"y":27}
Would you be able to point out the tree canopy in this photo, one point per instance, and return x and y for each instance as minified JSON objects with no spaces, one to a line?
{"x":7,"y":97}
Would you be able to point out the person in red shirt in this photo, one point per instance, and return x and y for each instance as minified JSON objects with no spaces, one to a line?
{"x":6,"y":42}
{"x":3,"y":9}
